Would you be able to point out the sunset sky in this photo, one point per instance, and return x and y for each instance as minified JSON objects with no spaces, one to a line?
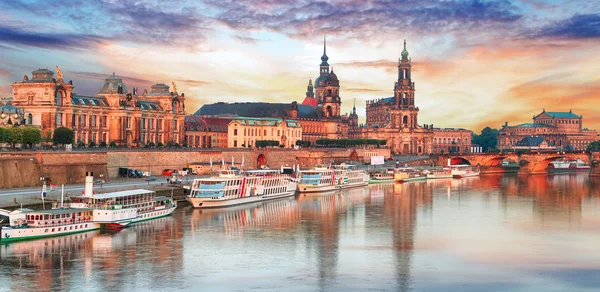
{"x":476,"y":63}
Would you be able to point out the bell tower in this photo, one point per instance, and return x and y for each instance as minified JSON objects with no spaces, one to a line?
{"x":404,"y":89}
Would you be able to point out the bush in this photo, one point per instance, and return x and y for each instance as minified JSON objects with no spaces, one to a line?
{"x":63,"y":136}
{"x":266,"y":143}
{"x":92,"y":144}
{"x":151,"y":144}
{"x":159,"y":145}
{"x":80,"y":144}
{"x":113,"y":144}
{"x":102,"y":144}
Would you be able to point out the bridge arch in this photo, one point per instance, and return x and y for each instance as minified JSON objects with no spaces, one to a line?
{"x":459,"y":160}
{"x":261,"y":161}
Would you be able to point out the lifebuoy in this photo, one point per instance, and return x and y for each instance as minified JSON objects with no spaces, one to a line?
{"x":6,"y":235}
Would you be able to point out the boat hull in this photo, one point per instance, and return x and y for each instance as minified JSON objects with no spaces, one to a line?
{"x":202,"y":203}
{"x":404,"y":180}
{"x":9,"y":234}
{"x":381,"y":181}
{"x":434,"y":176}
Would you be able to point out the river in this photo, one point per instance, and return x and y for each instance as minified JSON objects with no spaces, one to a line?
{"x":489,"y":233}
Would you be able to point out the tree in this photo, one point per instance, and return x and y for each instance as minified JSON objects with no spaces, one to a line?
{"x":488,"y":139}
{"x":4,"y":133}
{"x":63,"y":136}
{"x":47,"y":139}
{"x":15,"y":136}
{"x":594,"y":146}
{"x":31,"y":136}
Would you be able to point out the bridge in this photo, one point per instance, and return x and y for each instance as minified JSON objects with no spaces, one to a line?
{"x":530,"y":163}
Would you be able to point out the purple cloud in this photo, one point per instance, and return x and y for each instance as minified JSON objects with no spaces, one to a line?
{"x":17,"y":37}
{"x":579,"y":26}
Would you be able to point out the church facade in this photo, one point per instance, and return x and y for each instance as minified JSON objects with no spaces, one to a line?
{"x":395,"y":119}
{"x":112,"y":115}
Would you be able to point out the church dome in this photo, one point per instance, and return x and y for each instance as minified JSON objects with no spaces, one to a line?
{"x":112,"y":84}
{"x":332,"y":76}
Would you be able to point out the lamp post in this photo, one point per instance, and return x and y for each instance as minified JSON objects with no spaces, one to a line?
{"x":101,"y":180}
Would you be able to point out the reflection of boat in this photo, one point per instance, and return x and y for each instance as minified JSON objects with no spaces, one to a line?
{"x":124,"y":207}
{"x":382,"y":177}
{"x":320,"y":179}
{"x":464,"y":170}
{"x":237,"y":189}
{"x":439,"y":173}
{"x":563,"y":165}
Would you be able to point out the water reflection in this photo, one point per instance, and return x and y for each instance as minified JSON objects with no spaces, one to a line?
{"x":488,"y":233}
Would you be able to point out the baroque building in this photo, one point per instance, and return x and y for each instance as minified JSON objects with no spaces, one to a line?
{"x":319,"y":114}
{"x":114,"y":114}
{"x":395,"y":119}
{"x":206,"y":132}
{"x":561,"y":130}
{"x":244,"y":131}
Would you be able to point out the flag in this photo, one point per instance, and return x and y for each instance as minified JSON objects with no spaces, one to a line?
{"x":222,"y":162}
{"x":232,"y":161}
{"x":211,"y":162}
{"x":53,"y":186}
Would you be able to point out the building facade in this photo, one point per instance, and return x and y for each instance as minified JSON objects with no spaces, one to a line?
{"x":562,"y":130}
{"x":243,"y":132}
{"x":395,"y":119}
{"x":11,"y":116}
{"x":206,"y":132}
{"x":114,"y":114}
{"x":319,"y":114}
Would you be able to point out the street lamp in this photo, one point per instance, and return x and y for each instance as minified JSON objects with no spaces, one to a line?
{"x":101,"y":180}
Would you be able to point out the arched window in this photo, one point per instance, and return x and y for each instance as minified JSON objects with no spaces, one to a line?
{"x":405,"y":120}
{"x":329,"y":111}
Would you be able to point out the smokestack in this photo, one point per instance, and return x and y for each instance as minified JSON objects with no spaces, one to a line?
{"x":89,"y":184}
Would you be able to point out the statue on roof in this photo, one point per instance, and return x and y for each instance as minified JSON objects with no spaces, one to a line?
{"x":174,"y":86}
{"x":59,"y":74}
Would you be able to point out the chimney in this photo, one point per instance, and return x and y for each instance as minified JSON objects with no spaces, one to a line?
{"x":89,"y":184}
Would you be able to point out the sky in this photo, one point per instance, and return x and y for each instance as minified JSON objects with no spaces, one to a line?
{"x":475,"y":63}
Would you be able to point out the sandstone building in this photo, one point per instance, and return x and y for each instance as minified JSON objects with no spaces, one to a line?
{"x":395,"y":119}
{"x":244,"y":131}
{"x":206,"y":132}
{"x":114,"y":114}
{"x":562,"y":130}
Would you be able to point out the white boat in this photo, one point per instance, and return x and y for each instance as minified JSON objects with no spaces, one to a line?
{"x":464,"y":170}
{"x":323,"y":179}
{"x":118,"y":209}
{"x":382,"y":177}
{"x":563,"y":165}
{"x":25,"y":224}
{"x":439,"y":173}
{"x":235,"y":188}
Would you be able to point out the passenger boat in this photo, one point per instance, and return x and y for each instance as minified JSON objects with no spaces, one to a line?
{"x":232,"y":187}
{"x":464,"y":170}
{"x":382,"y":177}
{"x":25,"y":224}
{"x":563,"y":165}
{"x":412,"y":176}
{"x":118,"y":209}
{"x":439,"y":173}
{"x":324,"y":179}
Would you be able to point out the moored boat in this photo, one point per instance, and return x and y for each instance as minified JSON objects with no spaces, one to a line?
{"x":235,"y":188}
{"x":464,"y":170}
{"x":122,"y":208}
{"x":382,"y":177}
{"x":563,"y":165}
{"x":439,"y":173}
{"x":324,"y":179}
{"x":412,"y":176}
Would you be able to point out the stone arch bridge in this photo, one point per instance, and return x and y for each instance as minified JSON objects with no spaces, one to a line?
{"x":530,"y":163}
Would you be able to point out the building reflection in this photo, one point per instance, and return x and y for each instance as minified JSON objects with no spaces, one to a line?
{"x":105,"y":257}
{"x":321,"y":215}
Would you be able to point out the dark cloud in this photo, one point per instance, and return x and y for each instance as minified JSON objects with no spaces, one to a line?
{"x":17,"y":37}
{"x":365,"y":18}
{"x":579,"y":26}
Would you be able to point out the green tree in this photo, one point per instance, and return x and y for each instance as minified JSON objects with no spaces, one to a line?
{"x":63,"y":136}
{"x":15,"y":136}
{"x":113,"y":144}
{"x":4,"y":133}
{"x":31,"y":136}
{"x":488,"y":139}
{"x":103,"y":144}
{"x":594,"y":146}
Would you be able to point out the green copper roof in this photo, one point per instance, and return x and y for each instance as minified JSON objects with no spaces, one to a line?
{"x":404,"y":52}
{"x":563,"y":115}
{"x":533,"y":125}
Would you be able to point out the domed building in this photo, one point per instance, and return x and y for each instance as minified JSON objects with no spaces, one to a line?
{"x":319,"y":114}
{"x":11,"y":116}
{"x":115,"y":114}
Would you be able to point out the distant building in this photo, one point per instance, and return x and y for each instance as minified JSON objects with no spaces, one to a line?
{"x":245,"y":131}
{"x":533,"y":143}
{"x":11,"y":116}
{"x":395,"y":119}
{"x":206,"y":132}
{"x":319,"y":114}
{"x":563,"y":130}
{"x":114,"y":114}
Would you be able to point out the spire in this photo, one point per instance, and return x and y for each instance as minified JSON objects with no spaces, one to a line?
{"x":324,"y":58}
{"x":309,"y":89}
{"x":404,"y":52}
{"x":354,"y":107}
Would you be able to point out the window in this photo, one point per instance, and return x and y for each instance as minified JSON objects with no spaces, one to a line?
{"x":235,"y":132}
{"x":265,"y":132}
{"x":234,"y":143}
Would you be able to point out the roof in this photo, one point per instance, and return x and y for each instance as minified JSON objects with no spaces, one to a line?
{"x":533,"y":125}
{"x":530,"y":141}
{"x":564,"y":115}
{"x":309,"y":112}
{"x":246,"y":109}
{"x":250,"y":121}
{"x":199,"y":123}
{"x":88,"y":100}
{"x":310,"y":101}
{"x":8,"y":108}
{"x":118,"y":194}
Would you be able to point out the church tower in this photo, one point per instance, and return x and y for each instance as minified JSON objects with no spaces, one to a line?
{"x":327,"y":87}
{"x":404,"y":92}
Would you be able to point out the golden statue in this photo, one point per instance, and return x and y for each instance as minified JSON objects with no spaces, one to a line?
{"x":58,"y":73}
{"x":174,"y":86}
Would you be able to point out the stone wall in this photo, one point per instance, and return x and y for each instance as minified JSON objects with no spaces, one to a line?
{"x":22,"y":169}
{"x":595,"y":163}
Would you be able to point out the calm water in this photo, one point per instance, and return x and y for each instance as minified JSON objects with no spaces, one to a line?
{"x":493,"y":233}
